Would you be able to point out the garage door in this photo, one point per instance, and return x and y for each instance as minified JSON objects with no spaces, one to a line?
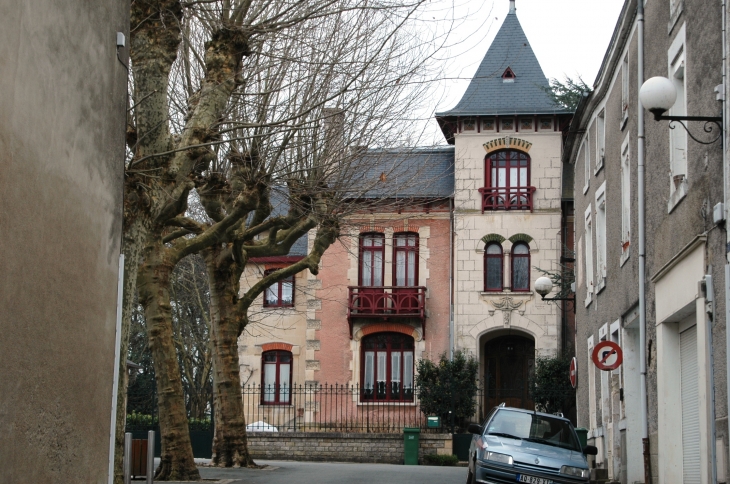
{"x":690,"y":405}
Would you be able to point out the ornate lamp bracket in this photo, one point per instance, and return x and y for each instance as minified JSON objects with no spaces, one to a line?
{"x":708,"y":126}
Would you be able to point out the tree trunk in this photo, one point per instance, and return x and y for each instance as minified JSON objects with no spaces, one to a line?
{"x":230,"y":446}
{"x":153,"y":284}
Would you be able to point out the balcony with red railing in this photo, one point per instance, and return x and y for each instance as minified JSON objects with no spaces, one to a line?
{"x":387,"y":303}
{"x":507,"y":198}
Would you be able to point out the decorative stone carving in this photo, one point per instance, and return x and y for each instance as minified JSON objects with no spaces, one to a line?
{"x":506,"y":305}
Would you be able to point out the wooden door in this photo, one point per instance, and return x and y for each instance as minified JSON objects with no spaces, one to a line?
{"x":509,"y":363}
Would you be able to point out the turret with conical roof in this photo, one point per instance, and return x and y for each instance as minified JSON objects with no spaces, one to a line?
{"x":509,"y":81}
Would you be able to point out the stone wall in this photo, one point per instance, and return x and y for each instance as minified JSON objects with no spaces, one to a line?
{"x":341,"y":447}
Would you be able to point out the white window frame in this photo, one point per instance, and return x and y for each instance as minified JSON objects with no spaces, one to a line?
{"x":589,"y":254}
{"x":587,"y":158}
{"x":625,"y":199}
{"x":600,"y":228}
{"x":678,"y":166}
{"x":600,"y":140}
{"x":625,"y":101}
{"x":592,"y":414}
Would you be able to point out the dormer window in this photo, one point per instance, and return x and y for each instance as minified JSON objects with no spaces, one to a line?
{"x":508,"y":75}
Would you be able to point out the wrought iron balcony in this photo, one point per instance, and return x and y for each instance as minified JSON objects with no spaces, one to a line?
{"x":507,"y":198}
{"x":387,"y":303}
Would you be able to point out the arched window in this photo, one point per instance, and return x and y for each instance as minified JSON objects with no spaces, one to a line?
{"x":276,"y":377}
{"x":387,"y":367}
{"x":372,"y":250}
{"x":507,"y":183}
{"x":520,"y":267}
{"x":493,"y":267}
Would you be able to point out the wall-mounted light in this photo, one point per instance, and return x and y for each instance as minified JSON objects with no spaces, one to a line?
{"x":544,"y":286}
{"x":658,"y":95}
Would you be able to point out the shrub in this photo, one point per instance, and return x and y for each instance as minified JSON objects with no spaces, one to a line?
{"x":550,"y":385}
{"x":440,"y":460}
{"x":448,"y":386}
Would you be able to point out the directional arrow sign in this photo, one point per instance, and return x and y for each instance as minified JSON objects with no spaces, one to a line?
{"x":607,"y":356}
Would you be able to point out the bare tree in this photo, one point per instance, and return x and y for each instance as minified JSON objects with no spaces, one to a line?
{"x":200,"y":111}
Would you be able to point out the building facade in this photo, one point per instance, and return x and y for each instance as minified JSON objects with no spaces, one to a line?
{"x":452,"y":270}
{"x":609,"y":146}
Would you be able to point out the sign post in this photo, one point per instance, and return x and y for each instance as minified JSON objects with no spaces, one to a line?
{"x":607,"y":356}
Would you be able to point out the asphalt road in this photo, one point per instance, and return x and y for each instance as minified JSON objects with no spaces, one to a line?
{"x":280,"y":472}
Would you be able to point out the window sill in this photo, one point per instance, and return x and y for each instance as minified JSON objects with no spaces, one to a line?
{"x":275,"y":405}
{"x":589,"y":299}
{"x":598,"y":169}
{"x":601,"y":284}
{"x":677,"y":195}
{"x":625,"y":256}
{"x":624,"y":119}
{"x":586,"y":187}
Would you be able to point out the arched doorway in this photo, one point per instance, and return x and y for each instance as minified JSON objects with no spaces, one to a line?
{"x":509,"y":361}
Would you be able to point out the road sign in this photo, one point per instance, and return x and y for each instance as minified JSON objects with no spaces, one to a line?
{"x":607,"y":355}
{"x":573,"y":372}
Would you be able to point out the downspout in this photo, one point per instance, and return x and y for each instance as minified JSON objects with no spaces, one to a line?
{"x":725,"y":206}
{"x":451,"y":278}
{"x":117,"y":356}
{"x":643,"y":403}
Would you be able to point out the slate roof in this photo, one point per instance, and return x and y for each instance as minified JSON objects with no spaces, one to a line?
{"x":488,"y":94}
{"x":409,"y":173}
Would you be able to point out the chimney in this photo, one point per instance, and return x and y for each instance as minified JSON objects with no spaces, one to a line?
{"x":512,"y":8}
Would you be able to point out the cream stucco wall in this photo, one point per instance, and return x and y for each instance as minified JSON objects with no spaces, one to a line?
{"x":475,"y":312}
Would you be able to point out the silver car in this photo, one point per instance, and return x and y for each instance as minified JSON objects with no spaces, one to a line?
{"x":517,"y":445}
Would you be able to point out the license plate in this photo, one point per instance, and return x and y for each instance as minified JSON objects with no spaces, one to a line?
{"x":533,"y":480}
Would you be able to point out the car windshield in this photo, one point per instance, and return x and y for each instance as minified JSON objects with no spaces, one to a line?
{"x":533,"y":428}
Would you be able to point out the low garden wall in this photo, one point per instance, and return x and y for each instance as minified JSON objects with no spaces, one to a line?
{"x":341,"y":447}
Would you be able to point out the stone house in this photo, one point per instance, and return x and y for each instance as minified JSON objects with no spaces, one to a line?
{"x":451,"y":270}
{"x":681,"y":403}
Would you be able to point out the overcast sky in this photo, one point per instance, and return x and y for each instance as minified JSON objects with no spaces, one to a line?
{"x":569,"y":37}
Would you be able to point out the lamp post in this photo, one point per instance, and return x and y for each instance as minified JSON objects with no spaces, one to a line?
{"x":658,"y":95}
{"x":544,"y":286}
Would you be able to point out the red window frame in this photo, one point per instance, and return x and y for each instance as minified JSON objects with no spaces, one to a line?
{"x":372,"y":249}
{"x":513,"y":271}
{"x":280,"y":358}
{"x":387,"y":390}
{"x":506,"y":160}
{"x":405,"y":249}
{"x":279,"y":288}
{"x":487,"y":258}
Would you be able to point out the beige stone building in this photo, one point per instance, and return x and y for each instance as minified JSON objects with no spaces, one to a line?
{"x":508,"y":214}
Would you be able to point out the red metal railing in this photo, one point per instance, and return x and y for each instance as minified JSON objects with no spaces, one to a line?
{"x":507,"y":198}
{"x":386,"y":303}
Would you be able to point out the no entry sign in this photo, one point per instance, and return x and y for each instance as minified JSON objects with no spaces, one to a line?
{"x":573,"y":372}
{"x":607,"y":355}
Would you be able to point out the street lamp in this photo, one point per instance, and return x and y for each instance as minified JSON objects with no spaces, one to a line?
{"x":544,"y":286}
{"x":658,"y":95}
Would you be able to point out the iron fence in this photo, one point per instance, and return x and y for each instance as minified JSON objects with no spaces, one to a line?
{"x":315,"y":408}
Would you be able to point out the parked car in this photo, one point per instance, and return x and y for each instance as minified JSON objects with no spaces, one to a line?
{"x":517,"y":445}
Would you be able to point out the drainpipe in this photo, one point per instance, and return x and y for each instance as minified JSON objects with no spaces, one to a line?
{"x":642,"y":253}
{"x":117,"y":356}
{"x":451,"y":277}
{"x":725,"y":88}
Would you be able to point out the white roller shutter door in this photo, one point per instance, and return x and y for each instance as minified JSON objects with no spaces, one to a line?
{"x":690,"y":406}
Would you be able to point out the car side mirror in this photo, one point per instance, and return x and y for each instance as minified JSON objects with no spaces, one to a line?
{"x":590,"y":450}
{"x":475,"y":429}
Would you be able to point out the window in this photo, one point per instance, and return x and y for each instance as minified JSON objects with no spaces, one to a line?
{"x":625,"y":198}
{"x":601,"y":235}
{"x":387,"y":367}
{"x":600,"y":140}
{"x":280,"y":294}
{"x":520,"y":267}
{"x":405,"y":268}
{"x":624,"y":91}
{"x":678,"y":137}
{"x":372,"y":251}
{"x":507,"y":183}
{"x":587,"y":163}
{"x":276,"y":384}
{"x":589,"y":254}
{"x":493,"y":267}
